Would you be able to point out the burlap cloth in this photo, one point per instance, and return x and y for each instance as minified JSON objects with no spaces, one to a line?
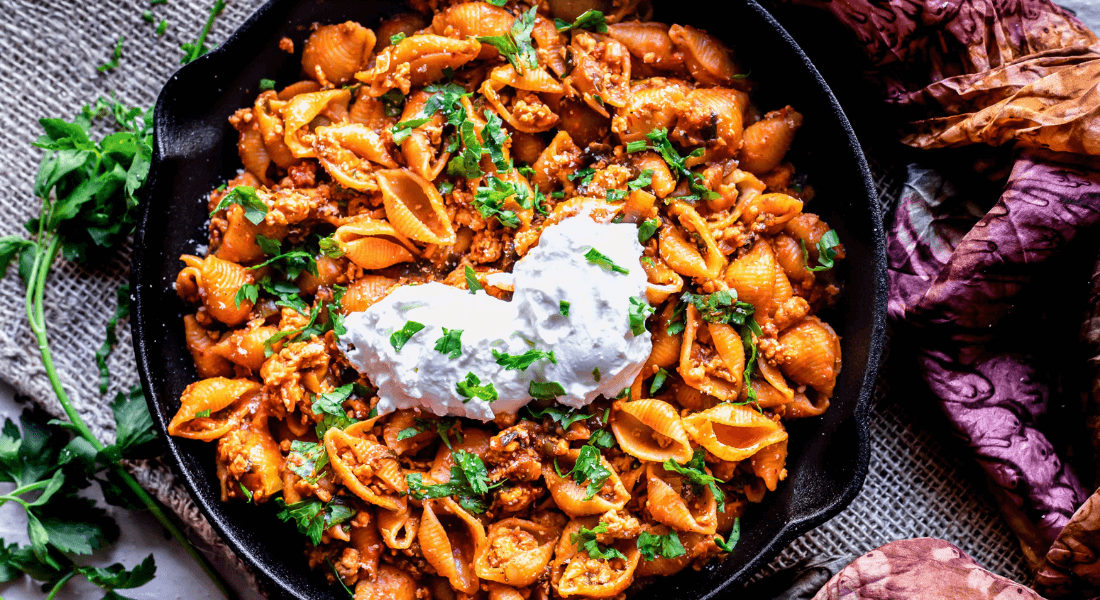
{"x":50,"y":49}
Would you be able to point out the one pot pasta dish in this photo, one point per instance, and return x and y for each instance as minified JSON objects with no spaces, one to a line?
{"x":509,"y":302}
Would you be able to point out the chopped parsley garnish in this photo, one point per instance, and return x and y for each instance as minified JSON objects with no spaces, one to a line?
{"x":117,"y":54}
{"x":267,"y":84}
{"x":643,"y":179}
{"x":585,"y":176}
{"x":248,"y":292}
{"x":392,"y":103}
{"x":148,"y":17}
{"x":498,"y":2}
{"x":446,"y":187}
{"x":750,"y":328}
{"x":516,"y":46}
{"x":559,"y":414}
{"x":247,"y":492}
{"x":599,"y":259}
{"x":403,"y":130}
{"x":585,"y":540}
{"x":201,"y":414}
{"x":647,"y":228}
{"x":450,"y":344}
{"x":676,"y":163}
{"x":520,"y":362}
{"x":495,"y":137}
{"x":396,"y":38}
{"x":639,"y":310}
{"x":254,"y":209}
{"x":471,"y":388}
{"x":734,"y":537}
{"x":489,"y":200}
{"x":161,"y":28}
{"x":563,"y":309}
{"x":596,"y":374}
{"x":545,"y":390}
{"x":399,"y":338}
{"x":329,"y":247}
{"x":602,"y":438}
{"x":827,"y":249}
{"x":645,"y":260}
{"x":407,"y":433}
{"x":331,"y":408}
{"x":307,"y":459}
{"x":469,"y":482}
{"x":441,"y":426}
{"x":720,"y":307}
{"x":658,"y":381}
{"x":471,"y":281}
{"x":676,"y":324}
{"x":650,"y":546}
{"x":695,"y":472}
{"x":313,"y":517}
{"x":589,"y":468}
{"x":446,"y":99}
{"x":591,"y":19}
{"x":614,"y":195}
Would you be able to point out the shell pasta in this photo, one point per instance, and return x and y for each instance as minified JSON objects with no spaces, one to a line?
{"x":436,"y":147}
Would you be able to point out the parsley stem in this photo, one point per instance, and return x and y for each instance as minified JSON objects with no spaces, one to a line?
{"x":60,"y":584}
{"x":197,"y":49}
{"x":14,"y":494}
{"x":35,"y":305}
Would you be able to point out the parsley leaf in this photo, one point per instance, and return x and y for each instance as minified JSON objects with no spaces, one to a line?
{"x":720,"y":307}
{"x":590,"y":19}
{"x":516,"y":46}
{"x":563,"y":308}
{"x":254,"y":208}
{"x":545,"y":390}
{"x":471,"y":281}
{"x":471,"y":387}
{"x":115,"y":56}
{"x":248,"y":292}
{"x":399,"y":338}
{"x":666,"y":546}
{"x":469,"y":482}
{"x":585,"y":540}
{"x":559,"y":414}
{"x":312,"y":517}
{"x":643,"y":179}
{"x":267,"y":84}
{"x":307,"y":459}
{"x":827,"y":249}
{"x":734,"y":537}
{"x":450,"y":344}
{"x":489,"y":201}
{"x":589,"y":468}
{"x":599,"y":259}
{"x":602,"y":438}
{"x":676,"y":163}
{"x":695,"y":472}
{"x":520,"y":362}
{"x":658,"y":381}
{"x":750,"y":356}
{"x":408,"y":432}
{"x":647,"y":228}
{"x":639,"y":309}
{"x":116,"y":577}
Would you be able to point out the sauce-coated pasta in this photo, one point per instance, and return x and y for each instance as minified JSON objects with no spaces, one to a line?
{"x":436,"y":147}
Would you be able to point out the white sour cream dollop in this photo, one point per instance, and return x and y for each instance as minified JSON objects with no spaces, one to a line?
{"x":594,"y":338}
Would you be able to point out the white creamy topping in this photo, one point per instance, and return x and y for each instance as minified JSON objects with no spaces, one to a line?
{"x":595,"y":335}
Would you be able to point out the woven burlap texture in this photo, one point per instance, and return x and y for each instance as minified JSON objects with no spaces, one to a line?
{"x":916,"y":486}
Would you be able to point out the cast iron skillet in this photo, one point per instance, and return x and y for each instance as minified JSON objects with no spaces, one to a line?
{"x":196,"y":151}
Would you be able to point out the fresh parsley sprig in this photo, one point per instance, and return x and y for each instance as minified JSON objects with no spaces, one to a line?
{"x":827,"y":249}
{"x":89,"y":193}
{"x":676,"y":163}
